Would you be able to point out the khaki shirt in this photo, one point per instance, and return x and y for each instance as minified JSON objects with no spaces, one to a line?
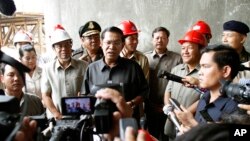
{"x":59,"y":82}
{"x":142,"y":60}
{"x":184,"y":95}
{"x":158,"y":85}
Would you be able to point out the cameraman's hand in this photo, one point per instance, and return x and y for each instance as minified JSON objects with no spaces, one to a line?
{"x":27,"y":131}
{"x":245,"y":107}
{"x":124,"y":110}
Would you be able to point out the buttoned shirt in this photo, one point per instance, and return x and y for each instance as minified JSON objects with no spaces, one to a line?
{"x":82,"y":54}
{"x":222,"y":105}
{"x":142,"y":60}
{"x":184,"y":95}
{"x":33,"y":84}
{"x":158,"y":85}
{"x":59,"y":82}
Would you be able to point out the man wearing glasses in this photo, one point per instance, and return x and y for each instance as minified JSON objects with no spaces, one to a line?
{"x":113,"y":69}
{"x":90,"y":49}
{"x":63,"y":76}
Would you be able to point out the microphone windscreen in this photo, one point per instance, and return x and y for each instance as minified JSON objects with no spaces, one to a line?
{"x":7,"y":7}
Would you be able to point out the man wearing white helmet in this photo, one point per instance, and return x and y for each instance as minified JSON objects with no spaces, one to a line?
{"x":63,"y":76}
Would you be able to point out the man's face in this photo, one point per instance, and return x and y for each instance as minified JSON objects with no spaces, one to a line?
{"x":91,"y":42}
{"x":160,"y":40}
{"x":209,"y":73}
{"x":63,"y":50}
{"x":131,"y":42}
{"x":112,"y":45}
{"x":190,"y":52}
{"x":11,"y":79}
{"x":233,"y":39}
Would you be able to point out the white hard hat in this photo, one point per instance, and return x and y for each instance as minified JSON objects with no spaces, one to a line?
{"x":59,"y":35}
{"x":22,"y":36}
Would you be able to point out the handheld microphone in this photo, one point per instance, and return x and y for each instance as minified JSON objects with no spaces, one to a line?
{"x":175,"y":78}
{"x":168,"y":110}
{"x":7,"y":7}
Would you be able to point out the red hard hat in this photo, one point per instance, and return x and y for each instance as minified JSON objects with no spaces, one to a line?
{"x":194,"y":37}
{"x":202,"y":27}
{"x":128,"y":27}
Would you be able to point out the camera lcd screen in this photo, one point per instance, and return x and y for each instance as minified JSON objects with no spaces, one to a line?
{"x":78,"y":105}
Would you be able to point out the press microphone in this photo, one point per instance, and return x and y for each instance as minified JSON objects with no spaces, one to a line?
{"x":168,"y":110}
{"x":175,"y":78}
{"x":7,"y":7}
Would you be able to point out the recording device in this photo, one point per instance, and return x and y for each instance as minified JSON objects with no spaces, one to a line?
{"x":124,"y":123}
{"x":168,"y":110}
{"x":169,"y":76}
{"x":175,"y":78}
{"x":239,"y":92}
{"x":175,"y":103}
{"x":7,"y":7}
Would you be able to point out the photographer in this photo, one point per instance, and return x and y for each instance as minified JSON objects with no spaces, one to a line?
{"x":124,"y":110}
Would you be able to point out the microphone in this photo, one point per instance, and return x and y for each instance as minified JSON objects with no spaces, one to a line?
{"x":7,"y":7}
{"x":175,"y":78}
{"x":168,"y":110}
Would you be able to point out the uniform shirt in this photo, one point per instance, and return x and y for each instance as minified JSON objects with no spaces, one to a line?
{"x":126,"y":72}
{"x":83,"y":55}
{"x":62,"y":83}
{"x":222,"y":105}
{"x":184,"y":95}
{"x":244,"y":55}
{"x":33,"y":103}
{"x":142,"y":60}
{"x":158,"y":85}
{"x":33,"y":84}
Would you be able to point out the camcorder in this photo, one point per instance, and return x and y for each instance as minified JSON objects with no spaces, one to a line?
{"x":85,"y":116}
{"x":240,"y":92}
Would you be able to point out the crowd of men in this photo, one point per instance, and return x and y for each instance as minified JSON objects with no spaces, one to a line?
{"x":111,"y":57}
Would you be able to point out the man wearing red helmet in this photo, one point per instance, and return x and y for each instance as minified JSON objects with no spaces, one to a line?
{"x":191,"y":46}
{"x":203,"y":28}
{"x":129,"y":51}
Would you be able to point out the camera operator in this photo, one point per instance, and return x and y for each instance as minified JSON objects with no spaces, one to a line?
{"x":124,"y":110}
{"x":218,"y":62}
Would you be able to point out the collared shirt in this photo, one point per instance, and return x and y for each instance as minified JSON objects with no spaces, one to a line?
{"x":142,"y":60}
{"x":82,"y":54}
{"x":33,"y":104}
{"x":126,"y":72}
{"x":222,"y":105}
{"x":244,"y":55}
{"x":158,"y":85}
{"x":184,"y":95}
{"x":33,"y":84}
{"x":59,"y":82}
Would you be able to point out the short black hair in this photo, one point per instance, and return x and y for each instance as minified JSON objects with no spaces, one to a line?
{"x":224,"y":55}
{"x":27,"y":48}
{"x":114,"y":30}
{"x":158,"y":29}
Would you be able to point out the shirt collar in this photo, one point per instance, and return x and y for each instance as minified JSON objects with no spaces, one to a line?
{"x":72,"y":63}
{"x":103,"y":65}
{"x":154,"y":54}
{"x":219,"y":102}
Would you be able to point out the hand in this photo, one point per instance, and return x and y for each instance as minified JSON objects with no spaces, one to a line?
{"x":245,"y":107}
{"x":190,"y":81}
{"x":27,"y":130}
{"x":124,"y":110}
{"x":57,"y":115}
{"x":186,"y":117}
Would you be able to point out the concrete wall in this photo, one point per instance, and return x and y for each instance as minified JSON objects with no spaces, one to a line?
{"x":176,"y":15}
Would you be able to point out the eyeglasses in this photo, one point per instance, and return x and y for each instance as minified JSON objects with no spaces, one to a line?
{"x":114,"y":43}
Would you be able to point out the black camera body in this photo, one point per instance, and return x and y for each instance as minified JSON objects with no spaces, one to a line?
{"x":239,"y":92}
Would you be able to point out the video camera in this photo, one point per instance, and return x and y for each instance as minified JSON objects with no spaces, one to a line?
{"x":83,"y":114}
{"x":239,"y":92}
